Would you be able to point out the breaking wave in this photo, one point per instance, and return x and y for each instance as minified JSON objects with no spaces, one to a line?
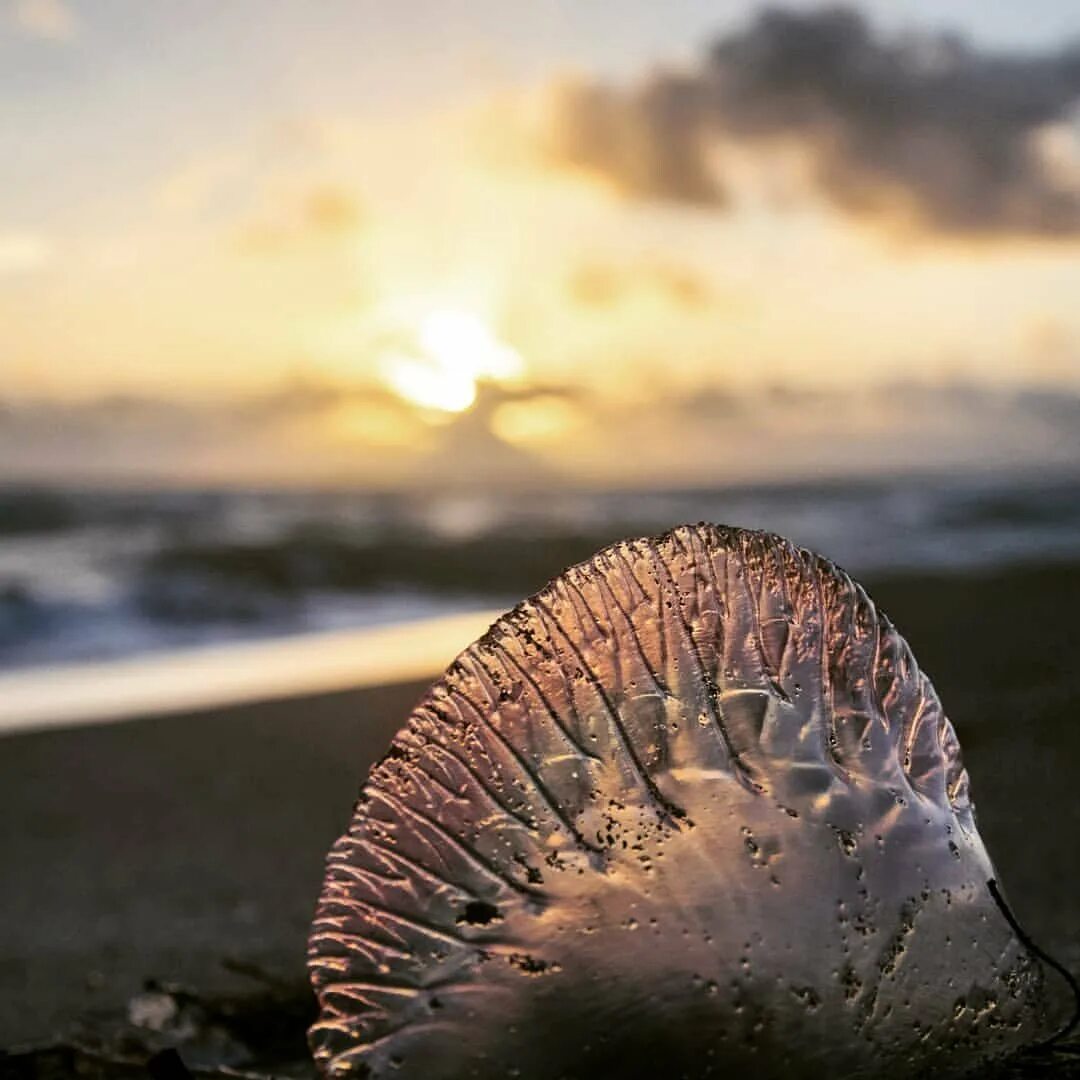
{"x":96,"y":574}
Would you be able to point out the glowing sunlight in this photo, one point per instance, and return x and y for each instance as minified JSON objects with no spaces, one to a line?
{"x":456,"y":351}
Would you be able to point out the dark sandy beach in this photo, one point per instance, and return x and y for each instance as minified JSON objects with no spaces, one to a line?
{"x":183,"y":848}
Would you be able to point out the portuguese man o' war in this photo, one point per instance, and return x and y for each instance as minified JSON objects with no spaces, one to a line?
{"x":693,"y":810}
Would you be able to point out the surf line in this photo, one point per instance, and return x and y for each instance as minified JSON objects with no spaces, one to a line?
{"x":203,"y":677}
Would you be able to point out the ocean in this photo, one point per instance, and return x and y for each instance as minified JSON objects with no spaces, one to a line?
{"x":96,"y":575}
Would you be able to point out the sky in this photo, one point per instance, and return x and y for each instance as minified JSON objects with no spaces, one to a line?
{"x":390,"y":244}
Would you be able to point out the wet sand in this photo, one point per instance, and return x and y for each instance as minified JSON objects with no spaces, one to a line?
{"x":179,"y":848}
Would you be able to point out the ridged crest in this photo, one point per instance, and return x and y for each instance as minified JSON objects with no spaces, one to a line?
{"x":693,"y":807}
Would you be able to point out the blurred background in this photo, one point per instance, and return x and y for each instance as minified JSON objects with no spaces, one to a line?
{"x":318,"y":320}
{"x":327,"y":330}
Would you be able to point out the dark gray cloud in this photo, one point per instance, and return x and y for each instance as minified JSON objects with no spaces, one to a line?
{"x":649,"y":142}
{"x":928,"y":126}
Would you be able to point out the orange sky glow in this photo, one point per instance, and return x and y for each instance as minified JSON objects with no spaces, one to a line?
{"x":435,"y":260}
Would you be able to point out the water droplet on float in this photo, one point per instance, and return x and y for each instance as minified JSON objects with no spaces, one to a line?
{"x":790,"y":856}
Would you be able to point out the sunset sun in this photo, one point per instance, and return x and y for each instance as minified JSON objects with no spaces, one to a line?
{"x":455,"y":350}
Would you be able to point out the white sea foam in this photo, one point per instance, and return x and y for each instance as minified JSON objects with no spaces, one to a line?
{"x":181,"y":680}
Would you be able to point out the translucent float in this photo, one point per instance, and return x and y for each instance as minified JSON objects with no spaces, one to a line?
{"x":693,"y":810}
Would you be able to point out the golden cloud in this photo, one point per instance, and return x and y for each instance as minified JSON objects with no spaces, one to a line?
{"x":605,"y":284}
{"x":48,"y":20}
{"x":324,"y":213}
